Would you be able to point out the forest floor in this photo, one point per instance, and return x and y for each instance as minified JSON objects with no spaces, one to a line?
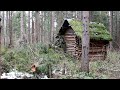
{"x":109,"y":67}
{"x":23,"y":58}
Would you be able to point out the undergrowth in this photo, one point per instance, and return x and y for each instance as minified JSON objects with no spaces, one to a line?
{"x":21,"y":58}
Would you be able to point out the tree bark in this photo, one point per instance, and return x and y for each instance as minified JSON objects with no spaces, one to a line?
{"x":111,"y":27}
{"x":7,"y":28}
{"x":0,"y":48}
{"x":85,"y":42}
{"x":3,"y":34}
{"x":10,"y":30}
{"x":37,"y":29}
{"x":41,"y":25}
{"x":116,"y":44}
{"x":33,"y":32}
{"x":23,"y":36}
{"x":91,"y":16}
{"x":22,"y":25}
{"x":52,"y":27}
{"x":117,"y":22}
{"x":28,"y":28}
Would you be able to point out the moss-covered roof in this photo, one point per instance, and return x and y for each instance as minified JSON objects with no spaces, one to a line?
{"x":97,"y":30}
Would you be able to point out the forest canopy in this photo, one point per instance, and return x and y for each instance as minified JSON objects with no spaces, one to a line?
{"x":97,"y":30}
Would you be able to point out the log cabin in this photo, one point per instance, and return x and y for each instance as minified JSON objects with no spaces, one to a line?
{"x":70,"y":34}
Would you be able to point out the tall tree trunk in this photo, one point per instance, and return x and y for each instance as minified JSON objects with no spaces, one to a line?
{"x":50,"y":32}
{"x":118,"y":29}
{"x":45,"y":25}
{"x":117,"y":22}
{"x":28,"y":28}
{"x":0,"y":48}
{"x":75,"y":14}
{"x":111,"y":27}
{"x":22,"y":25}
{"x":41,"y":25}
{"x":116,"y":45}
{"x":33,"y":30}
{"x":91,"y":16}
{"x":113,"y":33}
{"x":7,"y":28}
{"x":79,"y":15}
{"x":52,"y":27}
{"x":112,"y":23}
{"x":37,"y":29}
{"x":100,"y":16}
{"x":40,"y":39}
{"x":23,"y":36}
{"x":3,"y":36}
{"x":10,"y":30}
{"x":85,"y":42}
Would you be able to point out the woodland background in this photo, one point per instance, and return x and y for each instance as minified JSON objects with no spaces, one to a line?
{"x":26,"y":35}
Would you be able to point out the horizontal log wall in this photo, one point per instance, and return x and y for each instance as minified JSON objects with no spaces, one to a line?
{"x":97,"y":49}
{"x":70,"y":39}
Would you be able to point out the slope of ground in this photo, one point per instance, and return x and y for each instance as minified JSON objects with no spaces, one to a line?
{"x":62,"y":65}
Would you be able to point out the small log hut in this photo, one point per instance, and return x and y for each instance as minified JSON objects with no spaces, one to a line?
{"x":70,"y":34}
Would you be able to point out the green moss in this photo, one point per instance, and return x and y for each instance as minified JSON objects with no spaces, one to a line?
{"x":77,"y":26}
{"x":97,"y":30}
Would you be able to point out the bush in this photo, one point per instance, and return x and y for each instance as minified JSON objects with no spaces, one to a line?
{"x":17,"y":58}
{"x":23,"y":57}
